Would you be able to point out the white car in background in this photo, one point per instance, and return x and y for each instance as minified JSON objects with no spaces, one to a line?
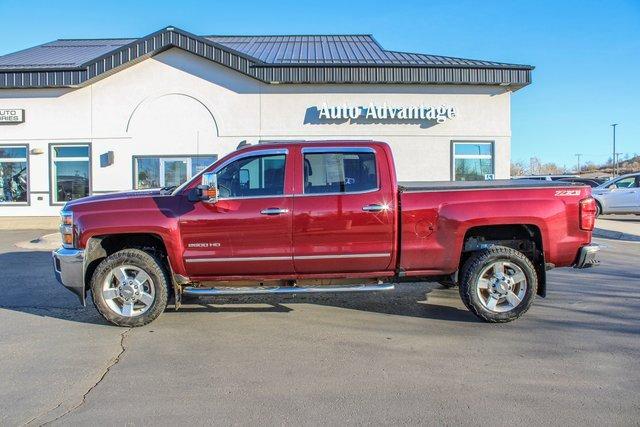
{"x":619,"y":195}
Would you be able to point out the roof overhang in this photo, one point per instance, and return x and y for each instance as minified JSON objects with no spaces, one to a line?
{"x":513,"y":77}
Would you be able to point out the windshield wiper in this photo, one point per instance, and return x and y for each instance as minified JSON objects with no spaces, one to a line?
{"x":167,"y":190}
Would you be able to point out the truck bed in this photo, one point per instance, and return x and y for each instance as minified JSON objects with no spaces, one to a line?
{"x":418,"y":186}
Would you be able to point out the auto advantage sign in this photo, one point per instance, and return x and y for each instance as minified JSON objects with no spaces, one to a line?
{"x":385,"y":112}
{"x":11,"y":116}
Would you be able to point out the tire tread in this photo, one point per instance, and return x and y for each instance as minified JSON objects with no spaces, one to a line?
{"x":152,"y":264}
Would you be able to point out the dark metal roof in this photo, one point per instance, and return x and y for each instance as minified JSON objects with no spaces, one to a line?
{"x":271,"y":59}
{"x":60,"y":54}
{"x":337,"y":49}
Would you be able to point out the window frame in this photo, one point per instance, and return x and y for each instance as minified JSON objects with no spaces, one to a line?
{"x":134,"y":166}
{"x":455,"y":156}
{"x":28,"y":202}
{"x":338,"y":150}
{"x":52,"y":159}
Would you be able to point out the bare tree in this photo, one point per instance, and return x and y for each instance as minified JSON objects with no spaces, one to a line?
{"x":518,"y":168}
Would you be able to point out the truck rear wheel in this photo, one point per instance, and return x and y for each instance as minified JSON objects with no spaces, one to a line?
{"x":498,"y":284}
{"x":130,"y":288}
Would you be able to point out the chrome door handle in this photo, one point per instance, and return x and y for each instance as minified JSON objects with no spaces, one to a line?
{"x":373,"y":208}
{"x":274,"y":211}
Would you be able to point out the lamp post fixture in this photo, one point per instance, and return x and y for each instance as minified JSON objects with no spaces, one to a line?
{"x":578,"y":156}
{"x":613,"y":159}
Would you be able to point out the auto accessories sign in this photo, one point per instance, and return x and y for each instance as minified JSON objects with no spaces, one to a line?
{"x":11,"y":116}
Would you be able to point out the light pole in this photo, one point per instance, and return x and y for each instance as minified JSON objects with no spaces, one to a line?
{"x":578,"y":156}
{"x":618,"y":159}
{"x":613,"y":159}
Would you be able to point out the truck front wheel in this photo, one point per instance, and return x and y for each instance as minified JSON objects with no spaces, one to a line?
{"x":130,"y":288}
{"x":498,"y":284}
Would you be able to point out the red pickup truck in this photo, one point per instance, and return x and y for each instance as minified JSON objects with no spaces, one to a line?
{"x":325,"y":216}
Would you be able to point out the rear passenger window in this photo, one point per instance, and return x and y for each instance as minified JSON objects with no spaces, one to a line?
{"x":339,"y":172}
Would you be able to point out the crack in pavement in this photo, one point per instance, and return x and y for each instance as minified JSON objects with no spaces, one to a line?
{"x":114,"y":362}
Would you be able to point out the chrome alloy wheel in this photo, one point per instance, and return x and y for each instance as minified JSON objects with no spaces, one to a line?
{"x":501,"y":286}
{"x":128,"y":290}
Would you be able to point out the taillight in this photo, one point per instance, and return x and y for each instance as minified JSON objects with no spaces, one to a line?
{"x":587,"y":214}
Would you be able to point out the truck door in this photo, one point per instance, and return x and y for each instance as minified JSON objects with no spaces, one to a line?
{"x":248,"y":231}
{"x":343,"y":214}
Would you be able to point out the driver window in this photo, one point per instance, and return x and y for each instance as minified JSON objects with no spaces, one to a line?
{"x":252,"y":177}
{"x":629,"y":182}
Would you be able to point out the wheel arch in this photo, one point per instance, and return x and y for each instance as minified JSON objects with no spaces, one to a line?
{"x":100,"y":247}
{"x":599,"y":206}
{"x":526,"y":238}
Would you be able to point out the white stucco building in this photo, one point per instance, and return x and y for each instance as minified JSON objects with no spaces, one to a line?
{"x":82,"y":117}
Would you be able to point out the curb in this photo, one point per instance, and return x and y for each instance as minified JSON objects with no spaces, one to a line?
{"x":615,"y":235}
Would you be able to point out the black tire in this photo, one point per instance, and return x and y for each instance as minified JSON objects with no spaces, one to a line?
{"x":469,"y":277}
{"x":598,"y":209}
{"x":147,"y":262}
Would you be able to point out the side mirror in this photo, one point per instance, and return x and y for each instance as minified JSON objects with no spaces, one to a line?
{"x":209,"y":188}
{"x":612,"y":187}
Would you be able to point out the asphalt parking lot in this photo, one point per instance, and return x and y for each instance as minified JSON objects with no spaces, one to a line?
{"x":413,"y":356}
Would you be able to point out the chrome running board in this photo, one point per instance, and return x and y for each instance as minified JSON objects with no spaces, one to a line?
{"x":200,"y":292}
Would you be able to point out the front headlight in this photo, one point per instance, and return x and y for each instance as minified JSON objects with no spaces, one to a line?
{"x":66,"y":229}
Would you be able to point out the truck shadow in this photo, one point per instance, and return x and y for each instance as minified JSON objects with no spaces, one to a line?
{"x":27,"y":285}
{"x":423,"y":300}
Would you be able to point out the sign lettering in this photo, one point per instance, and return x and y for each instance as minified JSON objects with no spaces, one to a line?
{"x":382,"y":112}
{"x":11,"y":116}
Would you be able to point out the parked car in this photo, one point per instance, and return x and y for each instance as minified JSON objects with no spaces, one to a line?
{"x":327,"y":216}
{"x":591,"y":182}
{"x":619,"y":195}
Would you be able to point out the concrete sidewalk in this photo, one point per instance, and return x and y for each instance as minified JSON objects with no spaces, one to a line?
{"x":29,"y":223}
{"x":618,"y":227}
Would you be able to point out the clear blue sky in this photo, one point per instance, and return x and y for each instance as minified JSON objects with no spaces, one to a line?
{"x":586,"y":53}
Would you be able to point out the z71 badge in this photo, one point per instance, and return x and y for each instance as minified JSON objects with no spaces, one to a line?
{"x":566,"y":193}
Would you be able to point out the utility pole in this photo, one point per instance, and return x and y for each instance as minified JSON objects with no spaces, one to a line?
{"x":613,"y":159}
{"x":618,"y":159}
{"x":578,"y":156}
{"x":533,"y":165}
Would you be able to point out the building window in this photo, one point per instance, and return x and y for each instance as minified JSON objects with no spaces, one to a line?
{"x":14,"y":174}
{"x":339,"y":172}
{"x":164,"y":171}
{"x":473,"y":161}
{"x":71,"y":172}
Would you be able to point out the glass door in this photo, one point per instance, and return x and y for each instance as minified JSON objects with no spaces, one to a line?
{"x":174,"y":171}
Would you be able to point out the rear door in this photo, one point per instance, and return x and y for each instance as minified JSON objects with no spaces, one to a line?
{"x":343,"y":213}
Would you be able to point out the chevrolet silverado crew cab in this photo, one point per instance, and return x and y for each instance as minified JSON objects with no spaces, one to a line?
{"x":326,"y":216}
